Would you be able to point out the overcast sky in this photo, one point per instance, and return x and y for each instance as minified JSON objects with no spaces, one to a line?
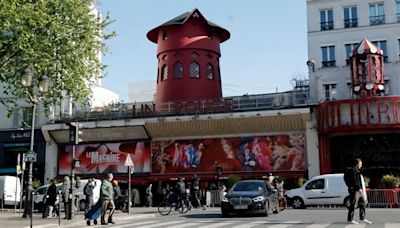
{"x":268,"y":44}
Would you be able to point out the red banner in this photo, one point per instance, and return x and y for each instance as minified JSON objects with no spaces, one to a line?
{"x":105,"y":157}
{"x":260,"y":153}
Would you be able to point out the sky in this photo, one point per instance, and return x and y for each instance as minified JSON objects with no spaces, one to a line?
{"x":267,"y":47}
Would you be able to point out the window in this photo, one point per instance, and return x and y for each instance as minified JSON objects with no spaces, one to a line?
{"x":350,"y":90}
{"x":350,"y":17}
{"x":398,"y":11}
{"x":399,"y":46}
{"x":210,"y":71}
{"x":330,"y":92}
{"x":164,"y":35}
{"x":376,"y":14}
{"x":178,"y":70}
{"x":382,"y":45}
{"x":348,"y":49}
{"x":194,"y":55}
{"x":25,"y":117}
{"x":328,"y":56}
{"x":194,"y":70}
{"x":326,"y":17}
{"x":164,"y":72}
{"x":387,"y":91}
{"x":316,"y":184}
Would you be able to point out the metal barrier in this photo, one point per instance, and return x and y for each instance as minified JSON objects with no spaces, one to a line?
{"x":383,"y":198}
{"x":213,"y":198}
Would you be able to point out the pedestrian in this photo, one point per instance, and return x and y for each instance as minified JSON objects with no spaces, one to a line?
{"x":149,"y":195}
{"x":272,"y":193}
{"x":88,"y":191}
{"x":196,"y":189}
{"x":107,"y":199}
{"x":65,"y":188}
{"x":75,"y":187}
{"x":51,"y":197}
{"x":357,"y":194}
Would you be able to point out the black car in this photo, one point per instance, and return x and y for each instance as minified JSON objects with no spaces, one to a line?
{"x":248,"y":196}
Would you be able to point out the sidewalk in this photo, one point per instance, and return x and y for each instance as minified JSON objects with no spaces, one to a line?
{"x":11,"y":219}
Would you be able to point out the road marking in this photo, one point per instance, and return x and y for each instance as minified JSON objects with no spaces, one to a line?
{"x":216,"y":225}
{"x":319,"y":225}
{"x":248,"y":225}
{"x":355,"y":225}
{"x":188,"y":224}
{"x":132,"y":224}
{"x":391,"y":225}
{"x":43,"y":226}
{"x":163,"y":224}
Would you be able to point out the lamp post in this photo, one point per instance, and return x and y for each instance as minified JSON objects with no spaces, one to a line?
{"x":30,"y":156}
{"x":74,"y":139}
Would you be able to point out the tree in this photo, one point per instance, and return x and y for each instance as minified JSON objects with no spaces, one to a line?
{"x":61,"y":40}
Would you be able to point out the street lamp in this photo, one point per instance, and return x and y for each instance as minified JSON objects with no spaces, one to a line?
{"x":30,"y":156}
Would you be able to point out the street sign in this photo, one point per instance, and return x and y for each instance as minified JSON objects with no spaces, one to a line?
{"x":30,"y":156}
{"x":128,"y":161}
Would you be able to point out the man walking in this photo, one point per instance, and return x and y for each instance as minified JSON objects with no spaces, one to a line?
{"x":107,"y":199}
{"x":51,"y":198}
{"x":65,"y":188}
{"x":357,"y":194}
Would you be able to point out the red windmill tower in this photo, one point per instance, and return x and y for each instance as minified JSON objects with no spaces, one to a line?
{"x":188,"y":52}
{"x":367,"y":69}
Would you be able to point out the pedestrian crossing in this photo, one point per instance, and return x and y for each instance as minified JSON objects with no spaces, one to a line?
{"x":246,"y":224}
{"x":218,"y":223}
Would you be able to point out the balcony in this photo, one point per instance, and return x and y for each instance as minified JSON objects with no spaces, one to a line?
{"x":328,"y":63}
{"x":291,"y":99}
{"x":351,"y":23}
{"x":377,"y":20}
{"x":359,"y":114}
{"x":326,"y":25}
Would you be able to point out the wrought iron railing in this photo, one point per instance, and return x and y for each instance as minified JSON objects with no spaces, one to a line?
{"x":295,"y":98}
{"x":351,"y":23}
{"x":377,"y":20}
{"x":326,"y":25}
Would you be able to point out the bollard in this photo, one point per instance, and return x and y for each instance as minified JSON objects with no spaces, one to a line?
{"x":31,"y":210}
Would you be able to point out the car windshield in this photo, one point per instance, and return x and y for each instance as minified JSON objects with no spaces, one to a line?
{"x":248,"y":186}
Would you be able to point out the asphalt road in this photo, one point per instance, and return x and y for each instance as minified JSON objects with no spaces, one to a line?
{"x":211,"y":218}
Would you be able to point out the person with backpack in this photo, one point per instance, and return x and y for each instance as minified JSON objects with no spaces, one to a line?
{"x":88,"y":191}
{"x":357,"y":193}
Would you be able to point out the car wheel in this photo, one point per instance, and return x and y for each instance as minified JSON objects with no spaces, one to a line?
{"x":346,"y":202}
{"x":298,"y":203}
{"x":225,"y":213}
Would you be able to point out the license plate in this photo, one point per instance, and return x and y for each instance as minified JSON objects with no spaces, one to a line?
{"x":240,"y":207}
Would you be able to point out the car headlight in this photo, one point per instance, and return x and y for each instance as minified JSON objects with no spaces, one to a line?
{"x":224,"y":199}
{"x":258,"y":199}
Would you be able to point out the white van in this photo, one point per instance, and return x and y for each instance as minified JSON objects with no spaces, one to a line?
{"x":328,"y":189}
{"x":10,"y":188}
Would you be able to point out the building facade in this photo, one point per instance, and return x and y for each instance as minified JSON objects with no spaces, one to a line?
{"x":352,"y":124}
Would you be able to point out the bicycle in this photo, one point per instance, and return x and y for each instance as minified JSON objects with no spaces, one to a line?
{"x":180,"y":204}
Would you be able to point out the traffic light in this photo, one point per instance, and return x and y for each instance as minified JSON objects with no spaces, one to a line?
{"x":74,"y":133}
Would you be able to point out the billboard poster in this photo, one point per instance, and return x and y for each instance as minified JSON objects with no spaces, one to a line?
{"x":236,"y":154}
{"x":105,"y":157}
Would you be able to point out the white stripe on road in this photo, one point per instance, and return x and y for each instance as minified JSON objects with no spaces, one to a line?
{"x":188,"y":224}
{"x":319,"y":225}
{"x":284,"y":224}
{"x":134,"y":224}
{"x":162,"y":224}
{"x":392,"y":225}
{"x":355,"y":226}
{"x":216,"y":225}
{"x":43,"y":226}
{"x":248,"y":225}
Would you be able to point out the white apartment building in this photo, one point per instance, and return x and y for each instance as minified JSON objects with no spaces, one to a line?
{"x":335,"y":27}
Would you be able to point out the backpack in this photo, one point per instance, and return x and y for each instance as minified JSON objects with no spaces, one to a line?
{"x":87,"y":190}
{"x":348,"y":177}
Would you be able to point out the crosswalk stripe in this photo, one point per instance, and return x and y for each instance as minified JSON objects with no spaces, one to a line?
{"x":248,"y":225}
{"x":319,"y":225}
{"x":216,"y":225}
{"x":391,"y":225}
{"x":135,"y":224}
{"x":355,"y":225}
{"x":43,"y":226}
{"x":162,"y":224}
{"x":188,"y":224}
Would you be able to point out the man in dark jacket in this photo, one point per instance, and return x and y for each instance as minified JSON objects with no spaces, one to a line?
{"x":51,"y":197}
{"x":356,"y":187}
{"x":88,"y":191}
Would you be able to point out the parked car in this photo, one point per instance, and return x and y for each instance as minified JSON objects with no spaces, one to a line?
{"x":247,"y":196}
{"x":328,"y":189}
{"x":38,"y":198}
{"x":10,"y":188}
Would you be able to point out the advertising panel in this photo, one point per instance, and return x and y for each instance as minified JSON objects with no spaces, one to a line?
{"x":105,"y":157}
{"x":241,"y":154}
